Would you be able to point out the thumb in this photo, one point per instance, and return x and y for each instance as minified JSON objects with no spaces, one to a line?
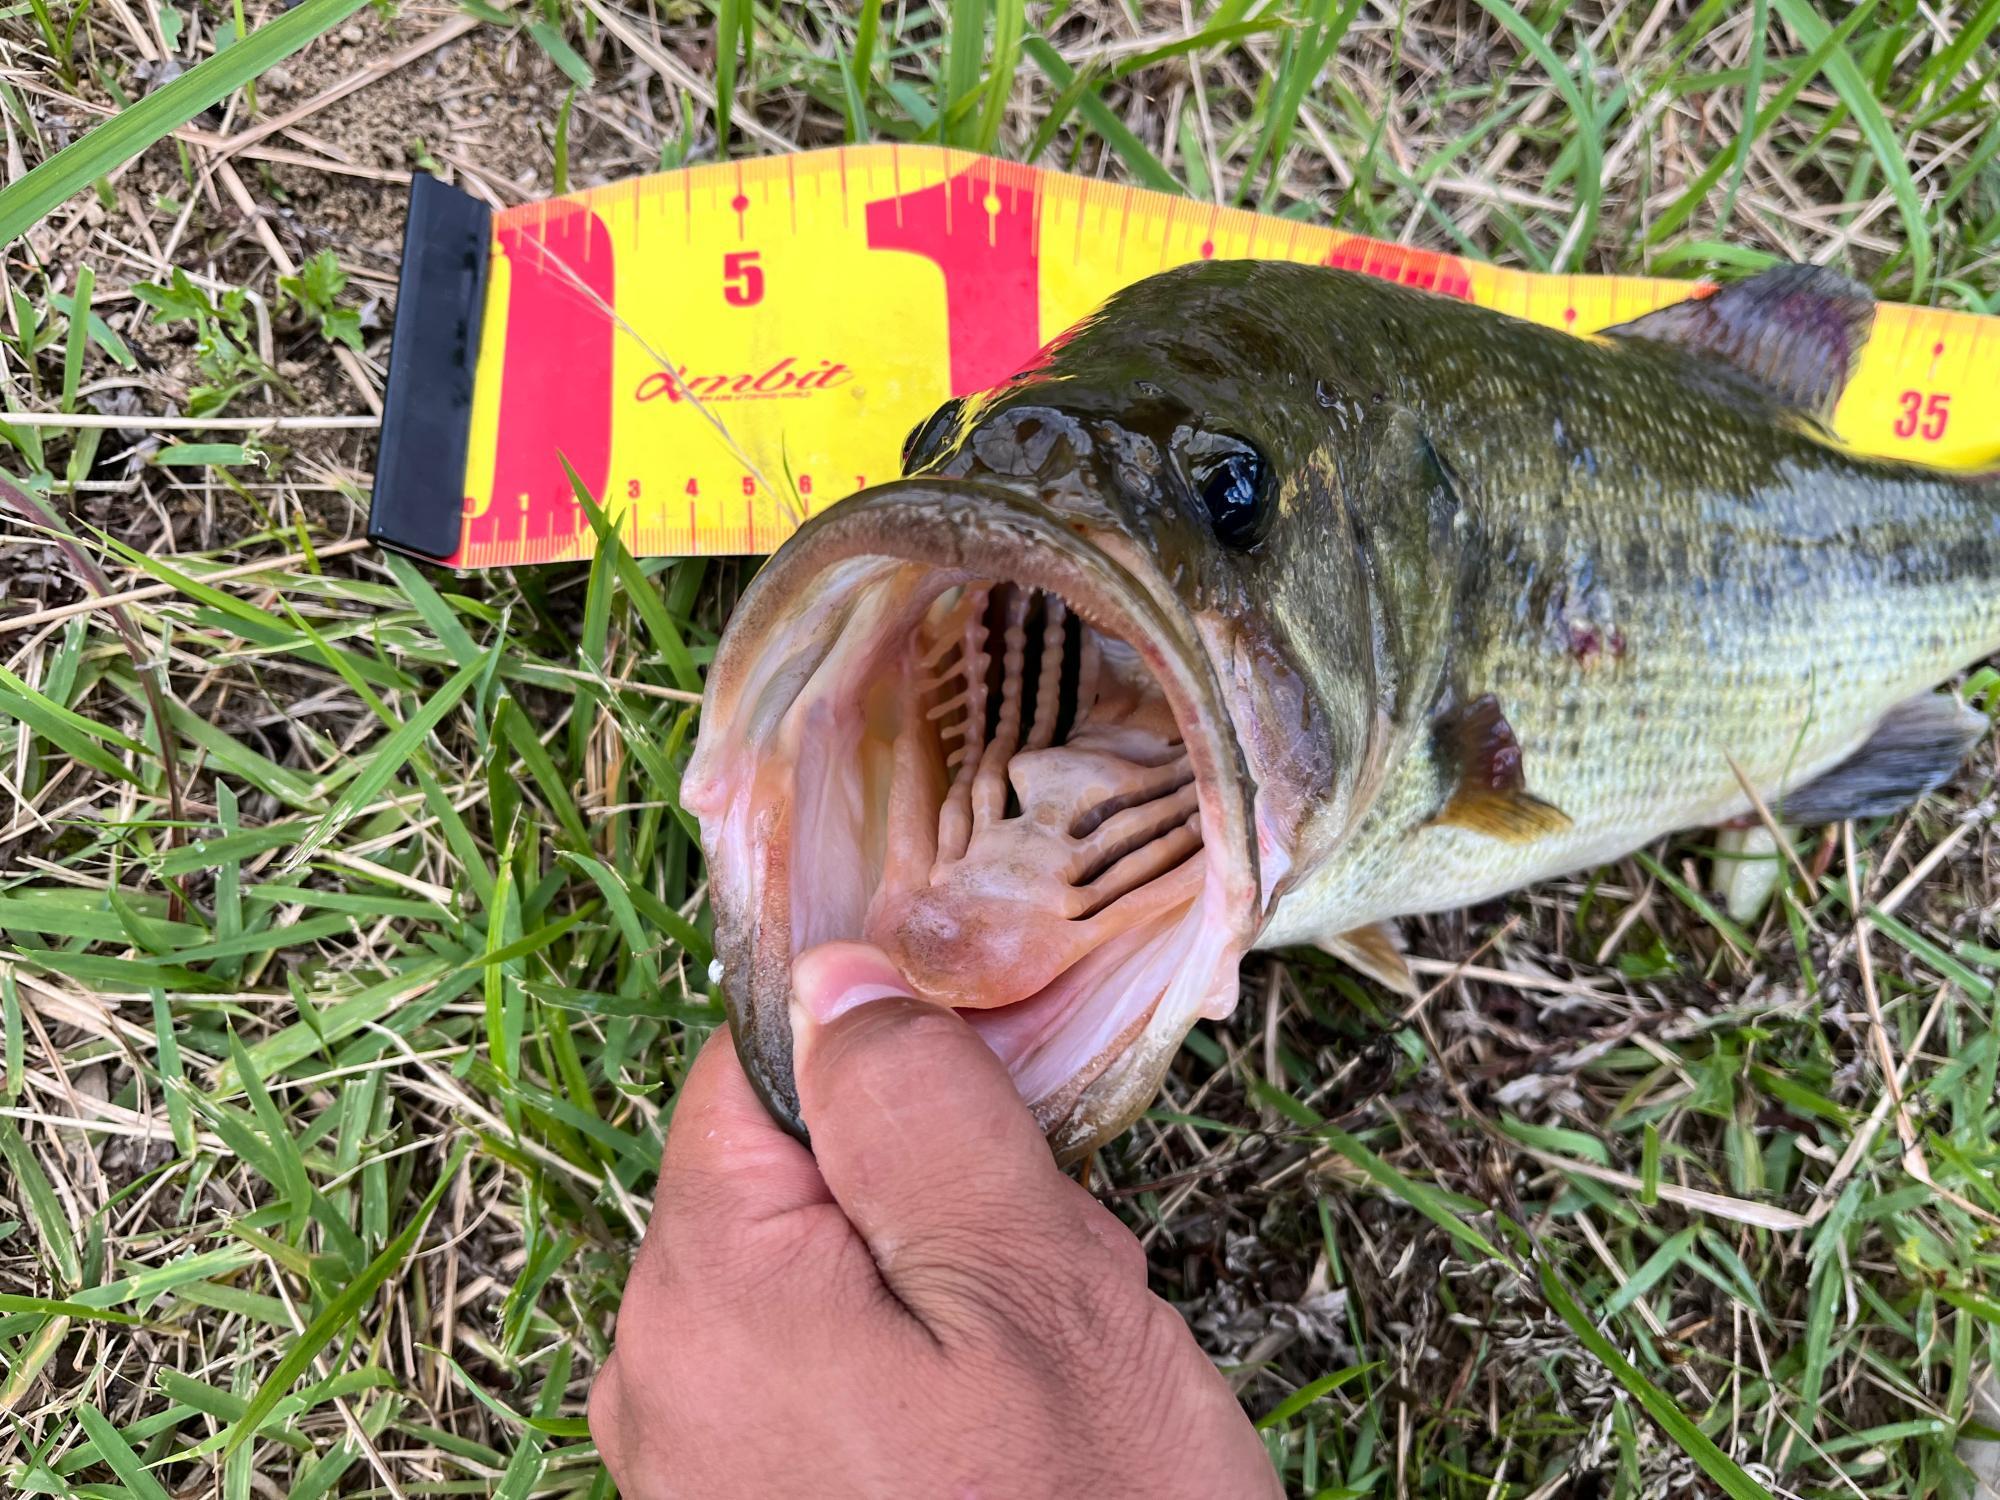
{"x":915,"y":1123}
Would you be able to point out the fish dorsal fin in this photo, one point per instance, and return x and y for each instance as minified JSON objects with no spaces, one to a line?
{"x":1794,"y":331}
{"x":1480,"y":758}
{"x":1376,"y":951}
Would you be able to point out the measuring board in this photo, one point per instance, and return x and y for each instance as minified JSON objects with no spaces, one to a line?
{"x":714,"y":354}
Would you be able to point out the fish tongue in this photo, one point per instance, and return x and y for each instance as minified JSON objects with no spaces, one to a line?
{"x":1069,"y":816}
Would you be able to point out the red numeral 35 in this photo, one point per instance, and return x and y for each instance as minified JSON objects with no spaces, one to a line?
{"x":1927,"y":415}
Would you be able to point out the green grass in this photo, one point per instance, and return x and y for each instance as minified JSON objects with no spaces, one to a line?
{"x":337,"y":1045}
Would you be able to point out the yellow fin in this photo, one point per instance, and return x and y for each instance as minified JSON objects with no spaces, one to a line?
{"x":1376,"y":951}
{"x":1475,"y":746}
{"x":1513,"y":817}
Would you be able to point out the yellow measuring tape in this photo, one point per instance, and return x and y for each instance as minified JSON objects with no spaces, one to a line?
{"x":716,"y":353}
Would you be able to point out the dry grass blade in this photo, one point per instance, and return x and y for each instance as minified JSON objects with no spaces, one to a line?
{"x":143,"y":664}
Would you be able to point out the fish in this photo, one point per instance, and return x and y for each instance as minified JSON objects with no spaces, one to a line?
{"x":1272,"y":603}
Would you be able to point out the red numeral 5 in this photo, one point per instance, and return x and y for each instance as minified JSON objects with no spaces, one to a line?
{"x":742,"y":279}
{"x":1927,"y":415}
{"x":1935,"y":416}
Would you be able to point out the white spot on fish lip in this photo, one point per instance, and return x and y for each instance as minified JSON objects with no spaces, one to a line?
{"x":715,"y":971}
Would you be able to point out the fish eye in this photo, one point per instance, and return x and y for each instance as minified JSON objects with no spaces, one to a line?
{"x":1234,"y":483}
{"x":927,"y":438}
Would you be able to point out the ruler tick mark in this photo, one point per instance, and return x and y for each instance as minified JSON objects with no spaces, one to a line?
{"x":1909,"y":332}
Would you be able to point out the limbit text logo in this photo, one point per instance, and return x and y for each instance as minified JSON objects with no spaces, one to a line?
{"x":782,"y":379}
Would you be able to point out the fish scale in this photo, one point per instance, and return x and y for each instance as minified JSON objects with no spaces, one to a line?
{"x":1771,"y":596}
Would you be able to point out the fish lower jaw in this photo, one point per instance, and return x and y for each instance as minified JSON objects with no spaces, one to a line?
{"x":994,"y":792}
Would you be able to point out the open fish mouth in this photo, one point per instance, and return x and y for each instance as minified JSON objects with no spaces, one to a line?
{"x":947,"y":722}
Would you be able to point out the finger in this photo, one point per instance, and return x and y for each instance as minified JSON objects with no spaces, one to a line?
{"x":918,"y":1130}
{"x":725,"y":1157}
{"x":604,"y":1411}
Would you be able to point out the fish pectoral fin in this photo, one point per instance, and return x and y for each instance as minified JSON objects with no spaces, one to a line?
{"x":1913,"y":751}
{"x":1377,"y":951}
{"x":1796,"y":331}
{"x":1512,"y":817}
{"x":1476,"y":749}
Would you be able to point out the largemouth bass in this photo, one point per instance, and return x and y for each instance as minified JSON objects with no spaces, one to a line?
{"x":1274,"y":602}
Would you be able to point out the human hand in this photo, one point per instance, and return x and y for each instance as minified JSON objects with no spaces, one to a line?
{"x":923,"y":1305}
